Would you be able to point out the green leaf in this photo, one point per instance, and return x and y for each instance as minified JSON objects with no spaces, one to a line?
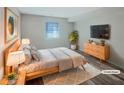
{"x":73,"y":37}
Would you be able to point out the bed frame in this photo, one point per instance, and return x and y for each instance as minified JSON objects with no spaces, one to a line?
{"x":32,"y":75}
{"x":29,"y":76}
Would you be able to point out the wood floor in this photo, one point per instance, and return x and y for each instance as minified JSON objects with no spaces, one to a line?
{"x":102,"y":79}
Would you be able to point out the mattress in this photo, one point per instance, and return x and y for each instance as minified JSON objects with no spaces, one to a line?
{"x":62,"y":57}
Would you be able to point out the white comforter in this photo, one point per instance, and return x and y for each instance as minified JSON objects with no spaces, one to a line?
{"x":62,"y":57}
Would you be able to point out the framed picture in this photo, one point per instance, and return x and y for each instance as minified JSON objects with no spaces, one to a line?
{"x":11,"y":23}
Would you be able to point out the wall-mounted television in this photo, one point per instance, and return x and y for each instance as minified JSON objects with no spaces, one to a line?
{"x":100,"y":31}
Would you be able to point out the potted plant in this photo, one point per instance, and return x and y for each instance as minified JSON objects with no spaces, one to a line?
{"x":11,"y":78}
{"x":73,"y":39}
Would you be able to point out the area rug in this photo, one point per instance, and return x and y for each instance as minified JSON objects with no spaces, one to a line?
{"x":72,"y":76}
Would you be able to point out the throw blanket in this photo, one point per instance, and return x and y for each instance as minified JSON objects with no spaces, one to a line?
{"x":65,"y":62}
{"x":67,"y":58}
{"x":76,"y":57}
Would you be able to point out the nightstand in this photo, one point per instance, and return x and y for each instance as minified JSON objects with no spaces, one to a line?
{"x":20,"y":80}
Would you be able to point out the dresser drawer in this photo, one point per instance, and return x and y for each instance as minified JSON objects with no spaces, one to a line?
{"x":87,"y":46}
{"x":99,"y":50}
{"x":87,"y":51}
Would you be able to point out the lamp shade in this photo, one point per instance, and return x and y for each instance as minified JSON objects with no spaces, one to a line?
{"x":25,"y":41}
{"x":15,"y":58}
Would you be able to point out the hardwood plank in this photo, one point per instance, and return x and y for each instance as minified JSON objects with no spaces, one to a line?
{"x":104,"y":80}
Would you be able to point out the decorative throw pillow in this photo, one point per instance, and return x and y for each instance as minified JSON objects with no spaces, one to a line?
{"x":28,"y":57}
{"x":31,"y":53}
{"x":33,"y":48}
{"x":22,"y":47}
{"x":35,"y":55}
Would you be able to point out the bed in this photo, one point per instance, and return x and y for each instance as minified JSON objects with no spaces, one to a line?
{"x":52,"y":61}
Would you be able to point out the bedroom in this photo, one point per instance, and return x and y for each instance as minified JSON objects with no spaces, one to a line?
{"x":33,"y":24}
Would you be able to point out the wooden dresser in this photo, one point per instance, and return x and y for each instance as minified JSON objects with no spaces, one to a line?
{"x":98,"y":51}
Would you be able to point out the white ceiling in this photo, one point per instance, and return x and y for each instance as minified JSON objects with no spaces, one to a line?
{"x":65,"y":12}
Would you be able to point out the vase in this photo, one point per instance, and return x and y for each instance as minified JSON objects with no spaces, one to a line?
{"x":11,"y":82}
{"x":73,"y":46}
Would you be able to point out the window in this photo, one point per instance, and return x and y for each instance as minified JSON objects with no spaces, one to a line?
{"x":52,"y":30}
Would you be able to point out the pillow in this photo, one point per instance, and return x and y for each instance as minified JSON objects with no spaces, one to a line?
{"x":30,"y":53}
{"x":28,"y":57}
{"x":22,"y":47}
{"x":34,"y":48}
{"x":35,"y":55}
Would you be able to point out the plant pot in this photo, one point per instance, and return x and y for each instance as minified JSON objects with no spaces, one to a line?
{"x":73,"y":46}
{"x":11,"y":82}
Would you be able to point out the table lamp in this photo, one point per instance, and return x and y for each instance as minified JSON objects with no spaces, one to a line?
{"x":25,"y":41}
{"x":15,"y":58}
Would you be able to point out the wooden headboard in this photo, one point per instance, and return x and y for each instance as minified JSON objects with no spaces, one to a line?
{"x":13,"y":47}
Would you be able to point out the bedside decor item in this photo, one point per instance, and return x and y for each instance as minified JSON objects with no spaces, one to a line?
{"x":11,"y":78}
{"x":15,"y":58}
{"x":90,"y":41}
{"x":11,"y":24}
{"x":102,"y":42}
{"x":94,"y":43}
{"x":73,"y":39}
{"x":25,"y":41}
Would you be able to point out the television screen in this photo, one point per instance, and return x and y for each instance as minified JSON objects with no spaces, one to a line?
{"x":100,"y":31}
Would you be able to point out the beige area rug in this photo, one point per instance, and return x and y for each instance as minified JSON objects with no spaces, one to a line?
{"x":72,"y":77}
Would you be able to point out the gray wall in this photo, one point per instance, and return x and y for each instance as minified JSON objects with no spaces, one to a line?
{"x":112,"y":16}
{"x":33,"y":27}
{"x":2,"y":45}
